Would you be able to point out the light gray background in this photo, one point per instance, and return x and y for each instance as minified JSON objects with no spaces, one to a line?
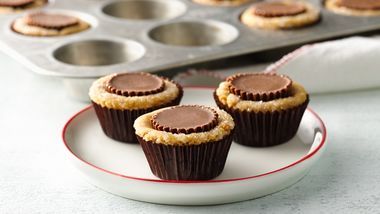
{"x":35,"y":176}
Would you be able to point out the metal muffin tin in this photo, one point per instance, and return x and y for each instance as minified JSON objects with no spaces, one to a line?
{"x":153,"y":35}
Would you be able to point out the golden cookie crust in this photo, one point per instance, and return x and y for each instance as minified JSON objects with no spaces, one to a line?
{"x":102,"y":97}
{"x":298,"y":97}
{"x":333,"y":6}
{"x":222,"y":2}
{"x":311,"y":16}
{"x":145,"y":130}
{"x":35,"y":4}
{"x":20,"y":26}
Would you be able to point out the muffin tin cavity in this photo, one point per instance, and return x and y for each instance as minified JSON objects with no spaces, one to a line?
{"x":99,"y":52}
{"x":194,"y":33}
{"x":145,"y":9}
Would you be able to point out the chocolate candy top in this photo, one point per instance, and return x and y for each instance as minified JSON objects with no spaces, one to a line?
{"x":185,"y":119}
{"x":48,"y":20}
{"x":135,"y":84}
{"x":260,"y":86}
{"x":278,"y":9}
{"x":360,"y":4}
{"x":15,"y":3}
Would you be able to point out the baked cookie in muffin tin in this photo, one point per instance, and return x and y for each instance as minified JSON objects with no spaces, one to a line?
{"x":15,"y":6}
{"x":48,"y":24}
{"x":281,"y":14}
{"x":354,"y":7}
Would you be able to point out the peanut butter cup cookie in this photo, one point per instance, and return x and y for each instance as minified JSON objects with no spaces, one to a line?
{"x":119,"y":99}
{"x":222,"y":2}
{"x":354,"y":7}
{"x":283,"y":14}
{"x":48,"y":24}
{"x":14,"y":6}
{"x":188,"y":142}
{"x":267,"y":108}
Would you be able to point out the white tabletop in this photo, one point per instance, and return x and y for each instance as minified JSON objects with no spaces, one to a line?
{"x":36,"y":177}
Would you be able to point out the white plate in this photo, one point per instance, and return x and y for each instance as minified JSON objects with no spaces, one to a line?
{"x":249,"y":173}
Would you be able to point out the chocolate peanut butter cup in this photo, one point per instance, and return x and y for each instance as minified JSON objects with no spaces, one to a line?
{"x":278,"y":9}
{"x":119,"y":99}
{"x":267,"y":108}
{"x":260,"y":87}
{"x":135,"y":84}
{"x":181,"y":157}
{"x":15,"y":3}
{"x":360,"y":4}
{"x":185,"y":119}
{"x":52,"y":21}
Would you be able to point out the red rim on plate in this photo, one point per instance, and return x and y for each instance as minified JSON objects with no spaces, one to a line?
{"x":309,"y":155}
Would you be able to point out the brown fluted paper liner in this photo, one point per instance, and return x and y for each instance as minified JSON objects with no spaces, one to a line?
{"x":193,"y":162}
{"x":265,"y":129}
{"x":118,"y":124}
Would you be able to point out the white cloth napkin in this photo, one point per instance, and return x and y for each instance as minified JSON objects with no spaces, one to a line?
{"x":334,"y":66}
